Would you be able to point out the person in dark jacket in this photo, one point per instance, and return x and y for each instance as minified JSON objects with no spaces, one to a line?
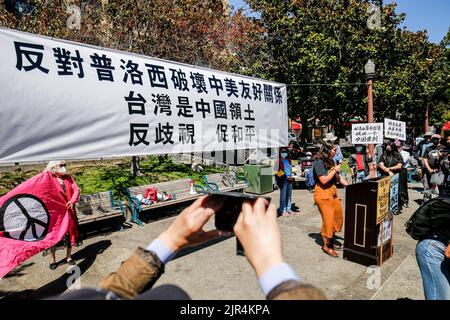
{"x":433,"y":254}
{"x":391,"y":163}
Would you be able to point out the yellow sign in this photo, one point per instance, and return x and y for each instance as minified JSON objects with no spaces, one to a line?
{"x":383,"y":198}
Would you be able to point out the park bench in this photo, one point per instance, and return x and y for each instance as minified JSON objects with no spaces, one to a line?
{"x":179,"y":188}
{"x":98,"y":206}
{"x":225,"y":182}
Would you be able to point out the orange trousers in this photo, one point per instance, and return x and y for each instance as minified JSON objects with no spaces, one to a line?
{"x":330,"y":208}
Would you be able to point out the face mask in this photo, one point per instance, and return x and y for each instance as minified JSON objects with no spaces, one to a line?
{"x":435,"y":141}
{"x":62,"y":170}
{"x":284,"y":154}
{"x":358,"y":149}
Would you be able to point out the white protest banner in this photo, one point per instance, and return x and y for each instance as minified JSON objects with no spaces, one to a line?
{"x":66,"y":100}
{"x":367,"y":133}
{"x":394,"y":129}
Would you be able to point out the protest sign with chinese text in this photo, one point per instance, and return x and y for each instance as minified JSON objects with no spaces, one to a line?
{"x":66,"y":100}
{"x":367,"y":133}
{"x":394,"y":129}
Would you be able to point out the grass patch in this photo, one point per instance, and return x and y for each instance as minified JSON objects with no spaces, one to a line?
{"x":99,"y":177}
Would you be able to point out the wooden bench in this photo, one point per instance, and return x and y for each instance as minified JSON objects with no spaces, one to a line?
{"x":98,"y":206}
{"x":225,"y":182}
{"x":179,"y":188}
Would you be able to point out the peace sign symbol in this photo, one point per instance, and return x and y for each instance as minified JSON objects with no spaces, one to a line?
{"x":24,"y":217}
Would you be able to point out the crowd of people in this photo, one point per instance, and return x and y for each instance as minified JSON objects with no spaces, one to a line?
{"x":390,"y":158}
{"x":257,"y":229}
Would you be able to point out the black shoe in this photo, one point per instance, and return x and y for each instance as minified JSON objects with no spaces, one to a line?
{"x":53,"y":266}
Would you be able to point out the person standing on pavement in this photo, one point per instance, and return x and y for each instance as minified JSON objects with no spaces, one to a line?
{"x":421,"y":147}
{"x":70,"y":191}
{"x":445,"y":167}
{"x":431,"y":159}
{"x":326,"y":175}
{"x":285,"y":181}
{"x":391,"y":163}
{"x":403,"y":181}
{"x":433,"y":250}
{"x":359,"y":163}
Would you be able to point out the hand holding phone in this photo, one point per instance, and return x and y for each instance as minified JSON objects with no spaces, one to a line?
{"x":227,"y":215}
{"x":258,"y":232}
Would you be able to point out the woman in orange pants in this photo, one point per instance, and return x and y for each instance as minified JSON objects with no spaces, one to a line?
{"x":326,"y":175}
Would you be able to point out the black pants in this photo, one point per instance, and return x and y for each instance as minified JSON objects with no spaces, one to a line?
{"x":403,"y":197}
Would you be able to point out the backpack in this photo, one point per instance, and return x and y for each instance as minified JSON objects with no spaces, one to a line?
{"x":428,"y":218}
{"x":433,"y":159}
{"x":310,"y":182}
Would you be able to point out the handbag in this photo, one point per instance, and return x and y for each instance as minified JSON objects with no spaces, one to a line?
{"x":437,"y":178}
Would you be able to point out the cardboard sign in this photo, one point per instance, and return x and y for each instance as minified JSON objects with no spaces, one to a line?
{"x":393,"y":195}
{"x":383,"y":198}
{"x":385,"y":231}
{"x":394,"y":129}
{"x":367,"y":133}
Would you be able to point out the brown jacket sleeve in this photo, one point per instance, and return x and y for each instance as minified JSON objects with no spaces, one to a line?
{"x":295,"y":290}
{"x":136,"y":274}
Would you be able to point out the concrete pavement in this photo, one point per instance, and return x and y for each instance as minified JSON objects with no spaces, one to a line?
{"x":214,"y":271}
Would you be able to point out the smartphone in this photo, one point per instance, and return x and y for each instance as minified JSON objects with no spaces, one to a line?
{"x":227,"y":216}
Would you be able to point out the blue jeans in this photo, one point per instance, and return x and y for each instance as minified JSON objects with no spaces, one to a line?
{"x":360,"y":175}
{"x":434,"y":268}
{"x":285,"y":196}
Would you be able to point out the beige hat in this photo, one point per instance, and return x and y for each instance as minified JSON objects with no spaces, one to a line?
{"x":436,"y":136}
{"x":428,"y":133}
{"x":330,"y":137}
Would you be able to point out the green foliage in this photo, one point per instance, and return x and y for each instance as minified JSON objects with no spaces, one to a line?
{"x":100,"y":177}
{"x":328,"y":42}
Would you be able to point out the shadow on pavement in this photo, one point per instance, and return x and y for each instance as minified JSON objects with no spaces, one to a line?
{"x":190,"y":250}
{"x":87,"y":256}
{"x":17,"y":272}
{"x":160,"y":213}
{"x":318,"y":238}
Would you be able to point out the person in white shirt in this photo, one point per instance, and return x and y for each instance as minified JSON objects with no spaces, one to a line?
{"x":406,"y":157}
{"x":403,"y":183}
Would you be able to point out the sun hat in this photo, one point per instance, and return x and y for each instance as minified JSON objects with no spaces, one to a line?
{"x":330,"y":137}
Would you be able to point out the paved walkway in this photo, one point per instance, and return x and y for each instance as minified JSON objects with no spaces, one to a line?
{"x":214,"y":271}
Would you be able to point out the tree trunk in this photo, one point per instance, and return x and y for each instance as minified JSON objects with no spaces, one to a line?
{"x":135,"y":168}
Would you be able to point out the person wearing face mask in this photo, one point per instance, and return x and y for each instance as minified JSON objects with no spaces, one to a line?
{"x":431,"y":159}
{"x":378,"y":152}
{"x":359,"y":164}
{"x":391,"y":163}
{"x":71,"y":192}
{"x":445,"y":166}
{"x":283,"y":175}
{"x":403,"y":186}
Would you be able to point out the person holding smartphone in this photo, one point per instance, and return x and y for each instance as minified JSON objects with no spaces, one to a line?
{"x":327,"y":174}
{"x":256,"y":228}
{"x":285,"y":181}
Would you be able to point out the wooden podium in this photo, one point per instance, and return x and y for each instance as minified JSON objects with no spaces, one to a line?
{"x":368,"y":222}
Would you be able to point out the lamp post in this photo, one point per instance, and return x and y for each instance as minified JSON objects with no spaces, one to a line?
{"x":369,"y":69}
